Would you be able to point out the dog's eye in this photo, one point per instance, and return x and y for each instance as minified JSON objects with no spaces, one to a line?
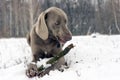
{"x":57,"y":23}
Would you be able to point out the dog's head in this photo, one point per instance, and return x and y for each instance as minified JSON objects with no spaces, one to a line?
{"x":53,"y":22}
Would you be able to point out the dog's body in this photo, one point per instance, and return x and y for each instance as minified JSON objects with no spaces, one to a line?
{"x":48,"y":35}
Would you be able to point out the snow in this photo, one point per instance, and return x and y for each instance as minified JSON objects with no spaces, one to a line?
{"x":94,"y":57}
{"x":43,"y":62}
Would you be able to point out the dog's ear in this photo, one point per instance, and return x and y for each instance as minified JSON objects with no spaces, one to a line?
{"x":41,"y":27}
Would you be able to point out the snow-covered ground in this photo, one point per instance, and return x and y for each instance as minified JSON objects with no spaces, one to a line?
{"x":94,"y":57}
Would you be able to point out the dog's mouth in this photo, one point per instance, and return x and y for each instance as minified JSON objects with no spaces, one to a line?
{"x":61,"y":40}
{"x":64,"y":39}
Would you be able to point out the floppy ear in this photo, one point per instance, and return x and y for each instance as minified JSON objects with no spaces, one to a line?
{"x":41,"y":27}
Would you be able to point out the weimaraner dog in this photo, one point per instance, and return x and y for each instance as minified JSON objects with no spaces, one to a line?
{"x":47,"y":37}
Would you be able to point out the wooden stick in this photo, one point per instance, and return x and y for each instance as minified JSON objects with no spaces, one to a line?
{"x":56,"y":58}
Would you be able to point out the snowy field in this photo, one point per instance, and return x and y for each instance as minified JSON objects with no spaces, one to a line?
{"x":94,"y":57}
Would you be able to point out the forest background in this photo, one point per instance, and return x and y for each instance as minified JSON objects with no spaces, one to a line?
{"x":85,"y":16}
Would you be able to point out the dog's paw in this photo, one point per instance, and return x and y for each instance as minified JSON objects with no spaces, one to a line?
{"x":32,"y":70}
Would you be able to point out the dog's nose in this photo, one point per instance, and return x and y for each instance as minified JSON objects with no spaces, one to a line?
{"x":68,"y":37}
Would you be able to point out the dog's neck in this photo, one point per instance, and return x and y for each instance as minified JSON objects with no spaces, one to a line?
{"x":53,"y":38}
